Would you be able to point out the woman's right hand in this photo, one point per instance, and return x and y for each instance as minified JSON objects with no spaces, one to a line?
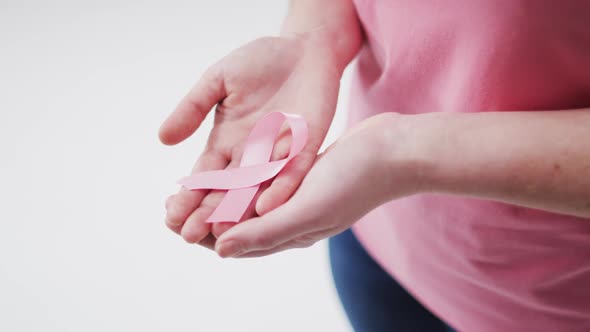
{"x":288,"y":74}
{"x":298,"y":73}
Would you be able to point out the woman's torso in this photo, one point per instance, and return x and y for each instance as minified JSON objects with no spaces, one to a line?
{"x":480,"y":265}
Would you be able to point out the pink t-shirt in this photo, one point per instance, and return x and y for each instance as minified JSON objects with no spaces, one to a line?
{"x":479,"y":265}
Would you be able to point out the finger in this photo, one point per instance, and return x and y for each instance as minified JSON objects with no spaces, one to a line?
{"x":293,"y":244}
{"x":301,"y":242}
{"x":288,"y":180}
{"x":194,"y":107}
{"x":286,"y":183}
{"x":196,"y":228}
{"x":181,"y":205}
{"x":172,"y":227}
{"x":266,"y":232}
{"x":221,"y":227}
{"x":275,"y":250}
{"x":208,"y":242}
{"x":175,"y":228}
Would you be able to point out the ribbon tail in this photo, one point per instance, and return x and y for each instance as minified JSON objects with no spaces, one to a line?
{"x":255,"y":168}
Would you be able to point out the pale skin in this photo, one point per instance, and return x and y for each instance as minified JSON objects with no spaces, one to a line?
{"x":534,"y":159}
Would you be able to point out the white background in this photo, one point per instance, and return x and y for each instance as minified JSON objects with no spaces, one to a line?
{"x":83,"y":89}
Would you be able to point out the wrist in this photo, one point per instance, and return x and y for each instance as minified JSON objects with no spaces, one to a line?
{"x":391,"y":165}
{"x":410,"y":144}
{"x":330,"y":27}
{"x":433,"y":143}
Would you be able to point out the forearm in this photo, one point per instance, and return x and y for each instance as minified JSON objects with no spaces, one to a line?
{"x":330,"y":25}
{"x":534,"y":159}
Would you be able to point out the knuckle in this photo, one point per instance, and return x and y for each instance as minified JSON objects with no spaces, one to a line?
{"x":212,"y":200}
{"x":211,"y":72}
{"x":298,"y":168}
{"x":304,"y":241}
{"x":193,"y":232}
{"x":294,"y":173}
{"x":304,"y":160}
{"x":288,"y":185}
{"x":237,"y":151}
{"x":262,"y":241}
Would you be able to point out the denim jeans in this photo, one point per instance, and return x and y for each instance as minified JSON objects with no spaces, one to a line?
{"x":372,"y":299}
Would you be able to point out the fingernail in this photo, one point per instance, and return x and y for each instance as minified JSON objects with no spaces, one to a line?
{"x":228,"y":249}
{"x":172,"y":218}
{"x":169,"y":207}
{"x":262,"y":205}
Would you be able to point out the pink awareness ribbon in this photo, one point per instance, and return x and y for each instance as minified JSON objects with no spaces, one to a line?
{"x":255,"y":167}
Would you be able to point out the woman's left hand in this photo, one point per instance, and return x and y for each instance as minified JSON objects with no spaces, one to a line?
{"x":356,"y":174}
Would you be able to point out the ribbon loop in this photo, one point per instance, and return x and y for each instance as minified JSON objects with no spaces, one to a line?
{"x":255,"y":167}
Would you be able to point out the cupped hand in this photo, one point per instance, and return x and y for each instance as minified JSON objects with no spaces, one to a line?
{"x":362,"y":170}
{"x":292,"y":75}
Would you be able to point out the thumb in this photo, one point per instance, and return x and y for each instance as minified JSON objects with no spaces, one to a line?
{"x":266,"y":232}
{"x":194,"y":107}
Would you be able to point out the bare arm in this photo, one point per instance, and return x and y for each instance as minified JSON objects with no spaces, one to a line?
{"x":298,"y":72}
{"x":330,"y":24}
{"x":535,"y":159}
